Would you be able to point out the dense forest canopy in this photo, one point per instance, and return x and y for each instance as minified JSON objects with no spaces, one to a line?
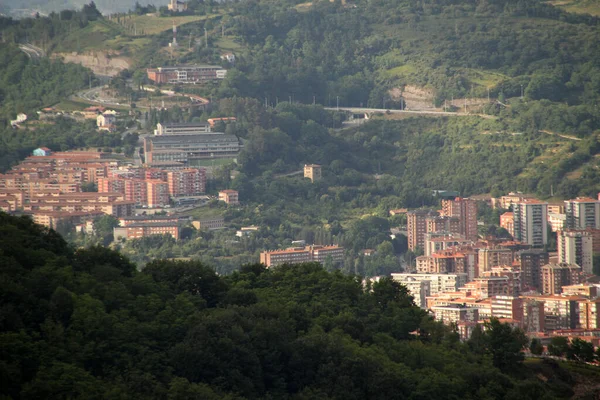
{"x":85,"y":323}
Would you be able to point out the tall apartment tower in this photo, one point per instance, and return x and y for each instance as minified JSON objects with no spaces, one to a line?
{"x":575,"y":247}
{"x":466,"y":211}
{"x":416,"y":224}
{"x":531,"y":262}
{"x":582,"y":213}
{"x":531,"y":222}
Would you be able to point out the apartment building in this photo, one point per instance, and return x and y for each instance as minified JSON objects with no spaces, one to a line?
{"x":297,"y":255}
{"x":312,"y":172}
{"x":531,"y":263}
{"x":575,"y":247}
{"x":534,"y":316}
{"x":489,"y":286}
{"x":419,"y":289}
{"x":416,"y":225}
{"x":530,"y":222}
{"x":560,"y":312}
{"x":439,"y":283}
{"x":53,"y":219}
{"x":506,"y":202}
{"x":466,"y":212}
{"x":451,"y":225}
{"x":555,"y":276}
{"x":489,"y":258}
{"x":556,"y":221}
{"x":186,"y":182}
{"x":158,"y":193}
{"x":229,"y":196}
{"x":582,"y":213}
{"x":454,"y":313}
{"x":589,"y":314}
{"x":139,"y":230}
{"x":438,"y":241}
{"x":582,"y":289}
{"x":507,"y":221}
{"x":508,"y":307}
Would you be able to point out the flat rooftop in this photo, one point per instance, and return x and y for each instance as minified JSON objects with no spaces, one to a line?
{"x":193,"y":138}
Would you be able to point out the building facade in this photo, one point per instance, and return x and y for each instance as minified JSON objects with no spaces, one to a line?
{"x":297,"y":255}
{"x":576,"y":247}
{"x":531,"y":222}
{"x":466,"y":211}
{"x":555,"y":276}
{"x":186,"y":74}
{"x":185,"y":148}
{"x":582,"y":213}
{"x":416,"y":224}
{"x":182,"y":128}
{"x":312,"y":172}
{"x":229,"y":196}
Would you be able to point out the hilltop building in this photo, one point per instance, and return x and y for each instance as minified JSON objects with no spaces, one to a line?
{"x":42,"y":152}
{"x":312,"y":172}
{"x":185,"y":148}
{"x":177,"y":6}
{"x":298,"y":255}
{"x":186,"y":74}
{"x":182,"y":128}
{"x":106,"y":122}
{"x":229,"y":196}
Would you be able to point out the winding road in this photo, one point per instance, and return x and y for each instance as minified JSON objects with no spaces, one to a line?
{"x":32,"y":51}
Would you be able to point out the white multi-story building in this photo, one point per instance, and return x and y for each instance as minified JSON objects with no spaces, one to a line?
{"x":582,"y":213}
{"x":531,"y":222}
{"x":439,"y":283}
{"x":419,"y":290}
{"x":576,"y":247}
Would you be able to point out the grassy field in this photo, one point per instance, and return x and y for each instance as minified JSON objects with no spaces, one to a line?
{"x":215,"y":162}
{"x":151,"y":25}
{"x":204,"y":212}
{"x":71,"y":105}
{"x":591,"y":7}
{"x":486,"y":79}
{"x":228,"y":43}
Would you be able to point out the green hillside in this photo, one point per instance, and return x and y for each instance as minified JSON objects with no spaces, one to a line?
{"x":24,"y":7}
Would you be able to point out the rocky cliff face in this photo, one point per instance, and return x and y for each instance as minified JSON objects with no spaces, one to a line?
{"x":102,"y":63}
{"x":416,"y":98}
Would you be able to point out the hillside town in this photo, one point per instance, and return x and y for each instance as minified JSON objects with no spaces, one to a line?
{"x":462,"y":278}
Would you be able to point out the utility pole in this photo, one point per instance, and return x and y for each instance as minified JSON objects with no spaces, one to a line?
{"x":222,"y":30}
{"x":521,"y":92}
{"x":206,"y":37}
{"x":338,"y":102}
